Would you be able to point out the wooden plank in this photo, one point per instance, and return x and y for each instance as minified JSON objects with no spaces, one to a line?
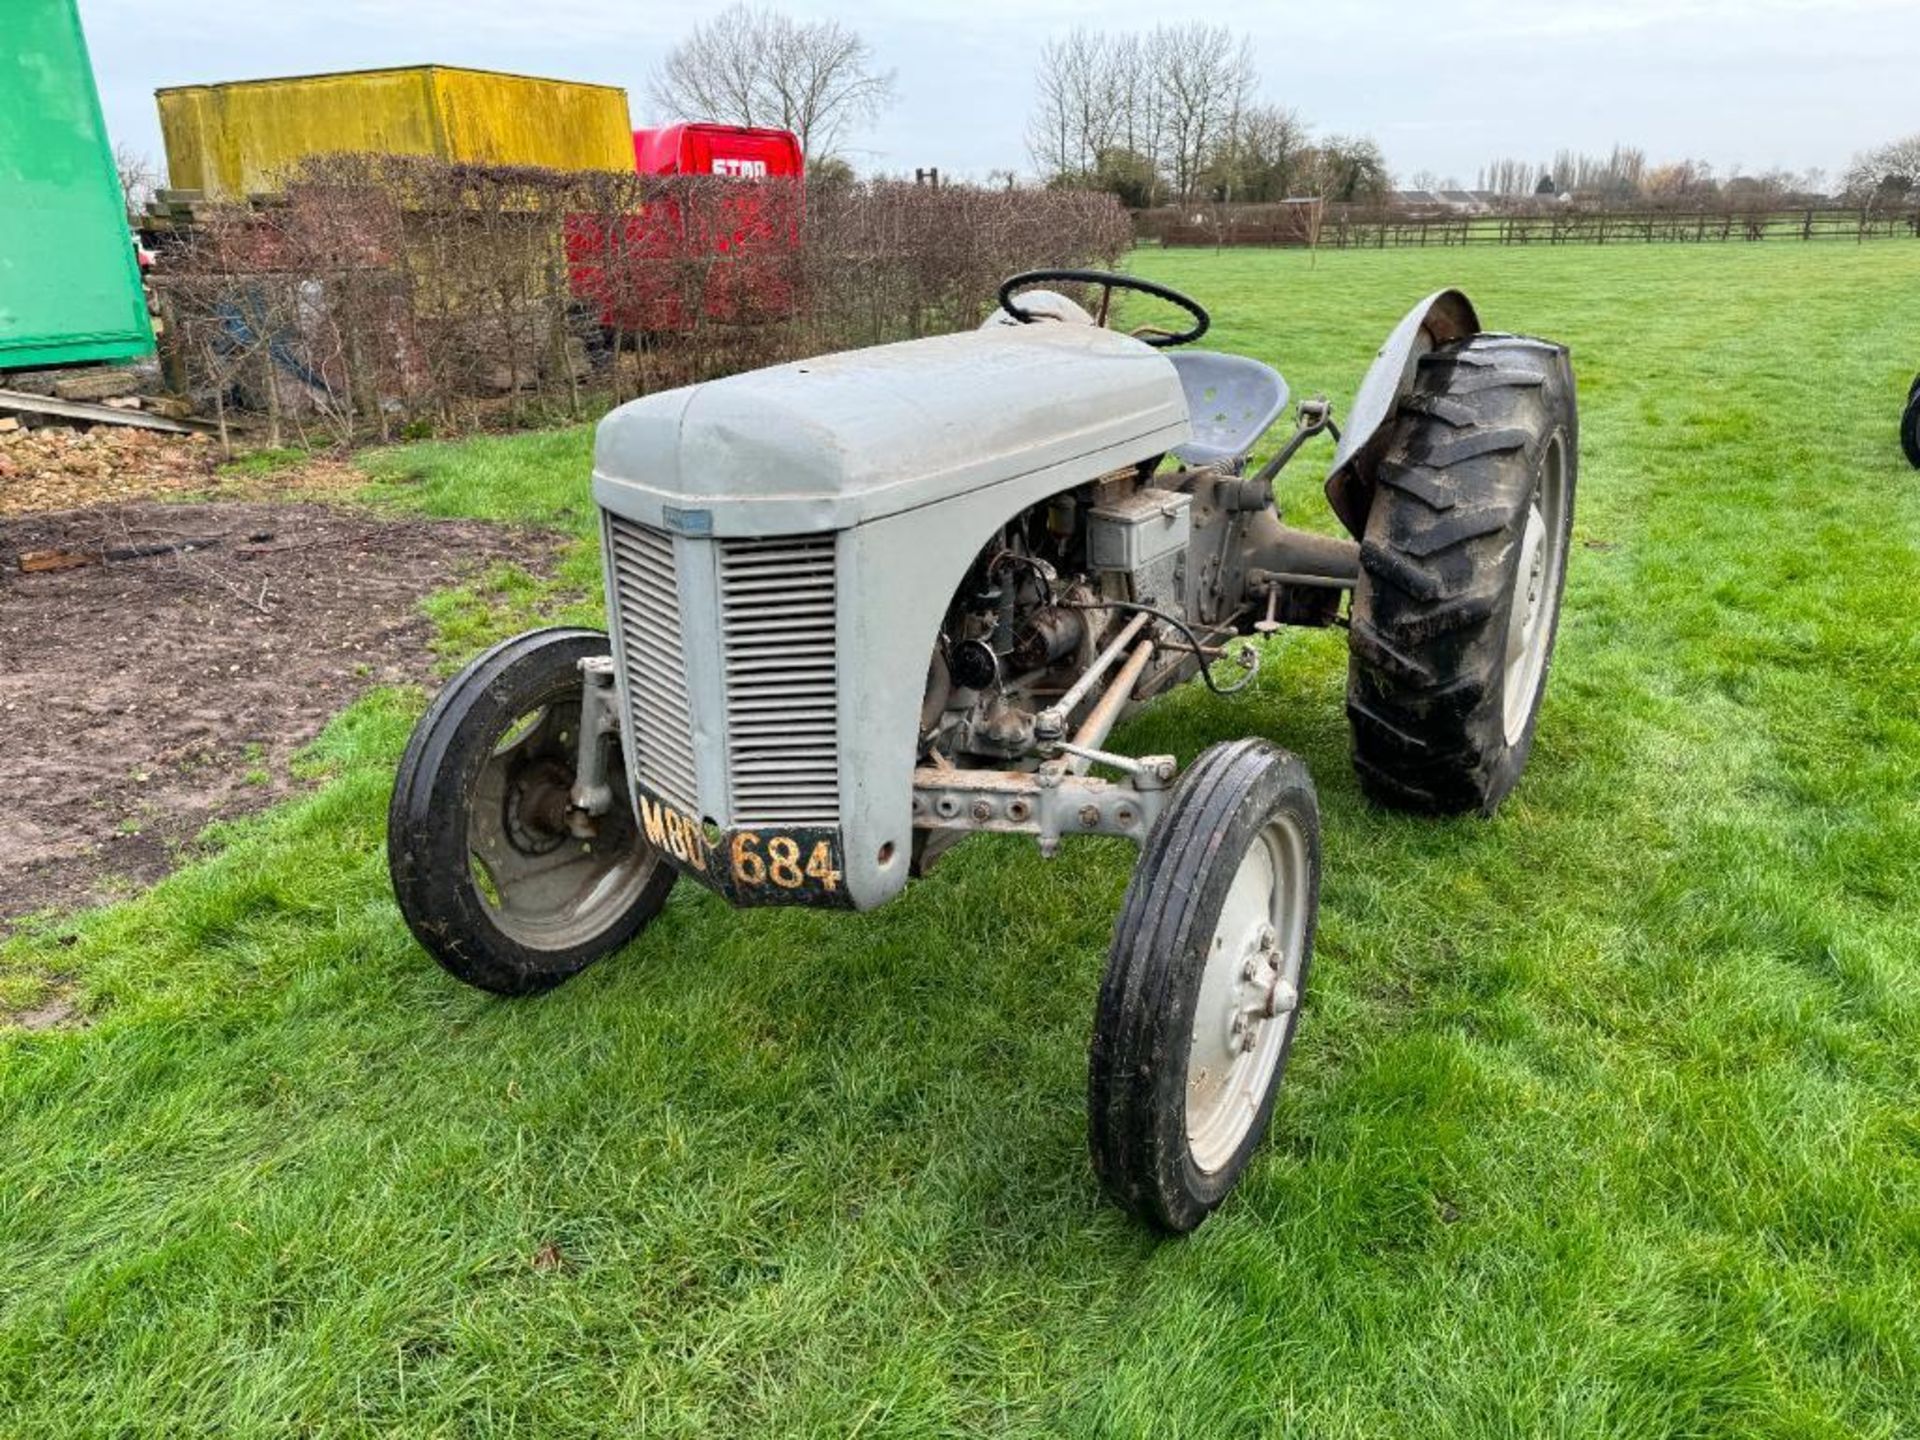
{"x":35,"y":562}
{"x":22,"y":403}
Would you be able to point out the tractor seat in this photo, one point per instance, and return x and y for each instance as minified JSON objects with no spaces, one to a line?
{"x":1231,"y":402}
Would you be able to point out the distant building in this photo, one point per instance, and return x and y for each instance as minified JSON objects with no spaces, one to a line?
{"x":1458,"y":202}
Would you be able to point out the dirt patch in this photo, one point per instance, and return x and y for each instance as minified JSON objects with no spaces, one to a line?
{"x":144,"y":698}
{"x":58,"y":1013}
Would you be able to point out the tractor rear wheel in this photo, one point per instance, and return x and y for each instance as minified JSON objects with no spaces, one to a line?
{"x":1910,"y":427}
{"x":1461,"y":572}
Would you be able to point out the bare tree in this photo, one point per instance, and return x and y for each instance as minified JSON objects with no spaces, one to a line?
{"x":1264,"y":158}
{"x":138,"y":176}
{"x":1130,"y":112}
{"x":749,"y":66}
{"x":1079,"y":110}
{"x":1889,"y":172}
{"x":1626,"y":171}
{"x":1100,"y":115}
{"x":1207,"y":74}
{"x":1349,"y":169}
{"x":1143,"y":109}
{"x":1057,"y":150}
{"x":1681,"y":181}
{"x":1510,"y":177}
{"x":1620,"y":175}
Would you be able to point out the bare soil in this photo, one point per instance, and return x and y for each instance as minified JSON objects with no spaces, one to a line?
{"x":143,"y":699}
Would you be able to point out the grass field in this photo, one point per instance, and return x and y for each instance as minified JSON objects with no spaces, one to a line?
{"x":1604,"y":1119}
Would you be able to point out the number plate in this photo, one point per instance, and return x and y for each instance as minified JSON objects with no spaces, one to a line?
{"x":759,"y":865}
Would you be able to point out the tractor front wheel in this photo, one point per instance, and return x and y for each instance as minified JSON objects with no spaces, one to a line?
{"x":1461,"y":571}
{"x":1203,"y":986}
{"x":490,"y":872}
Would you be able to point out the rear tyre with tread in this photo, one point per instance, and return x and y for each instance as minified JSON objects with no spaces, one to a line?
{"x":1910,"y":427}
{"x":1199,"y":1004}
{"x":1461,"y":571}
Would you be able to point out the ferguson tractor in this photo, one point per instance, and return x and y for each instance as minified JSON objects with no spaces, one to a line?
{"x":864,"y":605}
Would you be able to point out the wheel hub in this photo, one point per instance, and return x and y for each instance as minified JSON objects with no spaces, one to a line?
{"x":535,"y":814}
{"x":545,"y":886}
{"x":1263,"y":992}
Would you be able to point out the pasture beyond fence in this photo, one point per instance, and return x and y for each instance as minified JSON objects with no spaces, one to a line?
{"x":381,"y":297}
{"x":1344,"y":227}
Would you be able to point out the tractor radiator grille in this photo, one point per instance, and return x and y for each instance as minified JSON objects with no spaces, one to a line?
{"x":777,"y":613}
{"x":646,"y":588}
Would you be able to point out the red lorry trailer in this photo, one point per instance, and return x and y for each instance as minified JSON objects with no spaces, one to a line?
{"x":633,"y":272}
{"x":748,"y":152}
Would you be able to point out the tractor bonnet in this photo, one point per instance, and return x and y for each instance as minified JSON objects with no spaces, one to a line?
{"x":832,"y":442}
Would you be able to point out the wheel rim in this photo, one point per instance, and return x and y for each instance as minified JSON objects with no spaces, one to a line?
{"x":1249,"y":994}
{"x":545,"y":887}
{"x":1537,"y":601}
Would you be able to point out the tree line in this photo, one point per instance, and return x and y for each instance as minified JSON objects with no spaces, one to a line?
{"x":1176,"y":114}
{"x":1623,"y":176}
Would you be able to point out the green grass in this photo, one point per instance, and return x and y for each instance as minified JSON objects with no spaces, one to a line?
{"x":538,"y":479}
{"x":1605,"y":1119}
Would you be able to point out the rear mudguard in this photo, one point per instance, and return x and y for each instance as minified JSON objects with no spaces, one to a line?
{"x":1438,"y":320}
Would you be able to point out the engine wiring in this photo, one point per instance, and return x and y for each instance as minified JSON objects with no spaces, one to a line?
{"x":1045,"y":574}
{"x":1032,"y":564}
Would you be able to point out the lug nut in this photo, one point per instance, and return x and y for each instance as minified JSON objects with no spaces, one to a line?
{"x":982,"y":810}
{"x":1090,"y":816}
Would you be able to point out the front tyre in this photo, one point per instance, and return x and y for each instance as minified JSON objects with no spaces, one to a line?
{"x":1197,"y":1011}
{"x":1461,"y":573}
{"x":489,"y":874}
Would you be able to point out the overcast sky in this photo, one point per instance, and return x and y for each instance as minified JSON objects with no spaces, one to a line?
{"x":1444,"y":87}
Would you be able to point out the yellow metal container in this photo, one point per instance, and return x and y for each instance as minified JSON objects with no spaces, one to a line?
{"x":237,"y":139}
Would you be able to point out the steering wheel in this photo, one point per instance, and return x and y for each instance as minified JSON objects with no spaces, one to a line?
{"x":1109,"y":281}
